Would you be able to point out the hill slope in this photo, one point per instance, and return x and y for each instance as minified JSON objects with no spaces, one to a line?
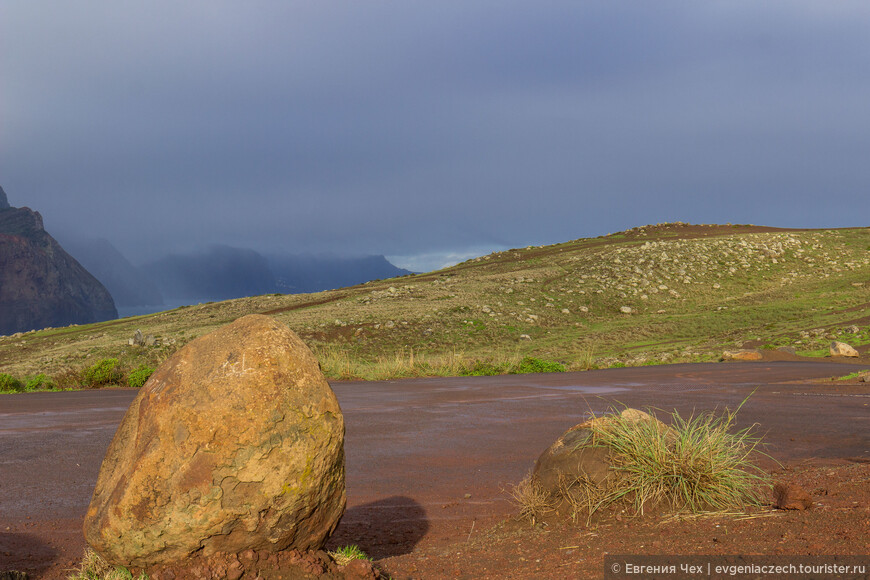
{"x":666,"y":293}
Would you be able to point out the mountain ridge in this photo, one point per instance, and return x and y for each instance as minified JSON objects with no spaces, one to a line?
{"x":41,"y":285}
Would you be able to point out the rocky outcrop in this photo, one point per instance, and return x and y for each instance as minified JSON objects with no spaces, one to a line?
{"x":235,"y":443}
{"x":40,"y":284}
{"x":745,"y":354}
{"x":842,"y":349}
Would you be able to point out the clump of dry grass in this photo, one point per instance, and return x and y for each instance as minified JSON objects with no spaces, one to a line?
{"x":94,"y":567}
{"x":532,"y":499}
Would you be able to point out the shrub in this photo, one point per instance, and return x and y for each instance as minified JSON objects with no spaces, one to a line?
{"x":68,"y":378}
{"x":139,"y":376}
{"x":40,"y":382}
{"x":105,"y":372}
{"x":9,"y":384}
{"x":536,"y":365}
{"x":481,"y":369}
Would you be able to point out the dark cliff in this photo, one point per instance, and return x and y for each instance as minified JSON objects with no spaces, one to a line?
{"x":40,"y":284}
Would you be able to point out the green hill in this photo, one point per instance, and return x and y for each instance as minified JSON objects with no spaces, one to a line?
{"x":655,"y":294}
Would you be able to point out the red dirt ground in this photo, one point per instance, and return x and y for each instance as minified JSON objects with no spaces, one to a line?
{"x":428,"y":460}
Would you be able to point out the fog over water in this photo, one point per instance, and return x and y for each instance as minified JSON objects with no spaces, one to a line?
{"x":429,"y":132}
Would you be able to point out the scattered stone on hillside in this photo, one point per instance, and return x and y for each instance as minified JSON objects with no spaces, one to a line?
{"x":787,"y":349}
{"x":625,"y":309}
{"x":743,"y":354}
{"x":842,"y":349}
{"x":525,"y":337}
{"x":791,"y":497}
{"x":853,"y":329}
{"x":236,"y":442}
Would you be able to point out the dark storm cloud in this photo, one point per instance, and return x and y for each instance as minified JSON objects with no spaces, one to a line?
{"x":445,"y":128}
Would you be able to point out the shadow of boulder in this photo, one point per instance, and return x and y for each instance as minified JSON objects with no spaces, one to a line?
{"x":20,"y":553}
{"x":382,"y":529}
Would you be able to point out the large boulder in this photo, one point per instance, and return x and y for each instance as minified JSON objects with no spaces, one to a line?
{"x":236,"y":442}
{"x":842,"y":349}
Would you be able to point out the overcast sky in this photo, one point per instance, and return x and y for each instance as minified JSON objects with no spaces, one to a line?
{"x":430,"y":131}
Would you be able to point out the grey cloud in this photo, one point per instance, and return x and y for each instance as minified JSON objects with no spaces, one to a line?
{"x":407,"y":129}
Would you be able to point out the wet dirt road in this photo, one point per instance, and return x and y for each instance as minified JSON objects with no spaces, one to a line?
{"x":427,"y":459}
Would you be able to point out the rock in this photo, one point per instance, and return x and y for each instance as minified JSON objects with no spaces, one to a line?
{"x":235,"y":443}
{"x":842,"y":349}
{"x":787,"y":349}
{"x":360,"y":569}
{"x":744,"y":354}
{"x":791,"y":497}
{"x":853,"y":329}
{"x":525,"y":337}
{"x":573,"y":456}
{"x":4,"y":201}
{"x":625,"y":309}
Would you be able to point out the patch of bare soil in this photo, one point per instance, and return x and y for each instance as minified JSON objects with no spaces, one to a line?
{"x":836,"y":524}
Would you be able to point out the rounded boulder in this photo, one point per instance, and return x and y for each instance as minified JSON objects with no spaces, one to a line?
{"x":236,"y":442}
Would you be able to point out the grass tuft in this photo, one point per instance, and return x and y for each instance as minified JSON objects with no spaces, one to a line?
{"x":93,"y":567}
{"x":532,"y":500}
{"x":347,"y":554}
{"x":697,"y":464}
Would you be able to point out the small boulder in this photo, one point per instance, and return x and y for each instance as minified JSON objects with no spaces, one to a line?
{"x":575,"y":456}
{"x":787,"y":349}
{"x":842,"y":349}
{"x":235,"y":443}
{"x":743,"y":354}
{"x":791,"y":497}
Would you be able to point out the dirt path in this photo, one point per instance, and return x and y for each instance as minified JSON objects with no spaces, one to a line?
{"x":427,"y":459}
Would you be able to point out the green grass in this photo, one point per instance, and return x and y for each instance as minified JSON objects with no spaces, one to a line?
{"x":854,"y":375}
{"x":139,"y":376}
{"x":346,"y":554}
{"x":721,"y":289}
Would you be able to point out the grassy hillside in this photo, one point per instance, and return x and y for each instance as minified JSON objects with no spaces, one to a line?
{"x":666,"y":293}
